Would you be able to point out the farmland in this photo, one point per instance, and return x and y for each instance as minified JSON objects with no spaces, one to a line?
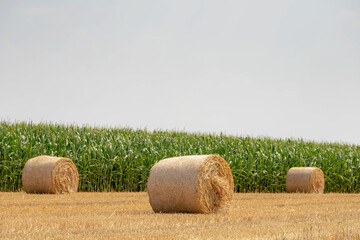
{"x":119,"y":159}
{"x":129,"y":216}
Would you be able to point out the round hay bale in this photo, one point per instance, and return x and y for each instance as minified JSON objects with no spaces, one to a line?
{"x":45,"y":174}
{"x":305,"y":179}
{"x":191,"y":184}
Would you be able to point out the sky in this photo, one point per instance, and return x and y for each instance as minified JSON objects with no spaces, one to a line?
{"x":279,"y":69}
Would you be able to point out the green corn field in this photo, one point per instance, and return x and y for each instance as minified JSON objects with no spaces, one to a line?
{"x":110,"y":159}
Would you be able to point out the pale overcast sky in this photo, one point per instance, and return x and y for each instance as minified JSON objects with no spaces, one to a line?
{"x":282,"y":69}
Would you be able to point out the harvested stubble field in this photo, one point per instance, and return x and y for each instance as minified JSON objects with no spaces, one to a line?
{"x":129,"y":216}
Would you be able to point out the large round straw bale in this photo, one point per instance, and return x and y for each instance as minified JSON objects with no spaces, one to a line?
{"x":305,"y":179}
{"x":45,"y":174}
{"x":193,"y":184}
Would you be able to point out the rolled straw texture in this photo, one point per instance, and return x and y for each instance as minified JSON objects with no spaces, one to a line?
{"x":191,"y":184}
{"x":305,"y":179}
{"x":45,"y":174}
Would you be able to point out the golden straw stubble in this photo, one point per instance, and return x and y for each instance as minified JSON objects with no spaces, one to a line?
{"x":46,"y":174}
{"x":305,"y":180}
{"x":191,"y":184}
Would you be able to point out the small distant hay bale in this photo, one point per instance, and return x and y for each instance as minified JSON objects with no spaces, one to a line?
{"x":45,"y":174}
{"x":190,"y":184}
{"x":305,"y":180}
